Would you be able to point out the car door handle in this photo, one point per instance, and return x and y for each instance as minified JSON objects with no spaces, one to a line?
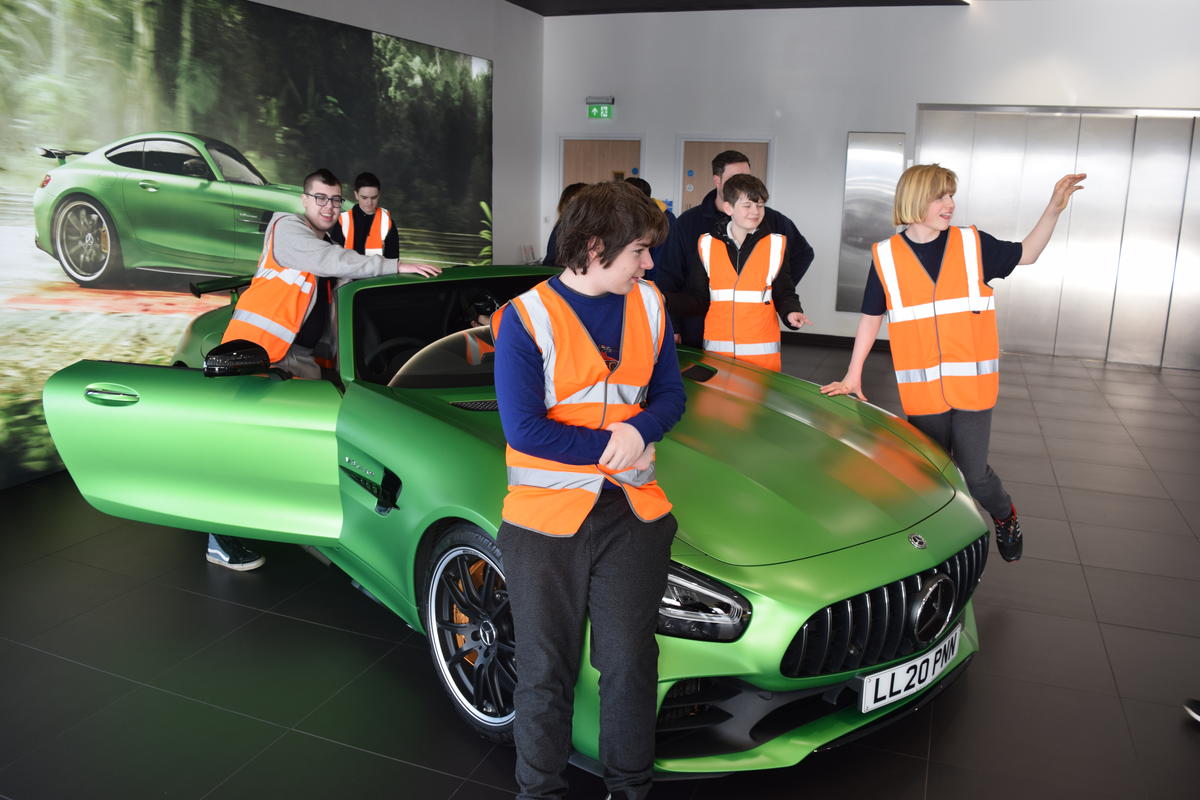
{"x":149,"y":186}
{"x":110,"y":394}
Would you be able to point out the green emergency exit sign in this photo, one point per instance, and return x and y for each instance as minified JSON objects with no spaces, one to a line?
{"x":600,"y":111}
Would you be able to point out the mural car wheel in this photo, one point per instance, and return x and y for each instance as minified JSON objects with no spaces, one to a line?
{"x":85,"y":240}
{"x":469,"y":623}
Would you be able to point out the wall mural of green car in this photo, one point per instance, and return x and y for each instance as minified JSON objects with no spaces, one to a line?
{"x":822,"y":575}
{"x":176,"y":202}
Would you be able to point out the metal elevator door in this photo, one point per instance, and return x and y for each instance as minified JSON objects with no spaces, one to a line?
{"x":1118,"y":280}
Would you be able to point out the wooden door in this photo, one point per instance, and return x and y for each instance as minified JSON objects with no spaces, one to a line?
{"x":697,"y":167}
{"x":599,"y":160}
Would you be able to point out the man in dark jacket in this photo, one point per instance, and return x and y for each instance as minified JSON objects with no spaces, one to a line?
{"x":679,"y":256}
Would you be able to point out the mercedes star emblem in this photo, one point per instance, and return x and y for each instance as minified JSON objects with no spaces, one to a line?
{"x":932,"y":610}
{"x":917,"y":541}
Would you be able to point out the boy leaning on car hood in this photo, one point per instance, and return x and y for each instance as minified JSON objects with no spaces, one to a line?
{"x":286,"y":308}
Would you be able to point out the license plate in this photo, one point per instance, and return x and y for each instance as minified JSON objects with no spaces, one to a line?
{"x":906,"y":679}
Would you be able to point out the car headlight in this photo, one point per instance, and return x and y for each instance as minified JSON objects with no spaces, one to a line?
{"x":697,"y":607}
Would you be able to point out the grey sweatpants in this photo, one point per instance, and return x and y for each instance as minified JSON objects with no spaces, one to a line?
{"x":965,"y":435}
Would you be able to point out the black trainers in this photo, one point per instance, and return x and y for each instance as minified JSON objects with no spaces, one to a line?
{"x":1192,"y":707}
{"x":229,"y":552}
{"x":1008,"y":535}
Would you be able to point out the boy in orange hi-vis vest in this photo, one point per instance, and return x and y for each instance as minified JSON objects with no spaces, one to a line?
{"x":742,"y":283}
{"x":587,"y":381}
{"x":932,"y":281}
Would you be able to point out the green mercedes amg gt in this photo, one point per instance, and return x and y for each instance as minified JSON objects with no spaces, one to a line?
{"x":822,"y":575}
{"x":175,"y":202}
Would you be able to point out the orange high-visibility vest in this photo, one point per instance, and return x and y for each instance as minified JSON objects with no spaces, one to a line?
{"x":380,"y":225}
{"x":552,"y":497}
{"x":945,"y":347}
{"x":741,"y":320}
{"x":272,"y":309}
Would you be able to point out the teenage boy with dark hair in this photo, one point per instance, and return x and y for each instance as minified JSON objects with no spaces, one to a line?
{"x":587,"y":381}
{"x":289,"y":304}
{"x":739,"y":280}
{"x":673,"y":267}
{"x":366,"y":228}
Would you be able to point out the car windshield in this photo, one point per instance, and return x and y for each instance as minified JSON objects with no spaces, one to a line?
{"x":233,"y":165}
{"x":464,"y":358}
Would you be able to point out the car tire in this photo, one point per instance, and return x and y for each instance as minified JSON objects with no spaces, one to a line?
{"x":469,"y":624}
{"x":85,"y":240}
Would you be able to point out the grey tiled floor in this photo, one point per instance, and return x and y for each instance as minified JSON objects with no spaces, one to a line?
{"x":133,"y":669}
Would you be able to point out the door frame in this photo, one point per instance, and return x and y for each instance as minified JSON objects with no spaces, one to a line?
{"x":640,"y":138}
{"x":681,"y":138}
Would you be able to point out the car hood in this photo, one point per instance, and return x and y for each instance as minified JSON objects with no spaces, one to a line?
{"x":764,"y":469}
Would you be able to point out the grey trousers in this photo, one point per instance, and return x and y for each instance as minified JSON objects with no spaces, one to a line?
{"x":613,"y":570}
{"x":965,"y":435}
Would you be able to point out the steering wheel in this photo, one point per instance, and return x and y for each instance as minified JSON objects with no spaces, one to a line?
{"x":386,"y":357}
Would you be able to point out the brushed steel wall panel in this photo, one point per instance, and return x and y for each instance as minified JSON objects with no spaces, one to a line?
{"x":874,"y":162}
{"x":948,"y":138}
{"x":1183,"y":321}
{"x":1152,"y":217}
{"x":1094,"y":236}
{"x":1028,"y":312}
{"x":994,"y":192}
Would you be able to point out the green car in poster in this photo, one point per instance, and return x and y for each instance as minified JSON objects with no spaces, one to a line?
{"x":174,"y":202}
{"x":821,"y":580}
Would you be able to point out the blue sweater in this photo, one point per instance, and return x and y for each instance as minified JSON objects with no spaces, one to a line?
{"x":520,"y":386}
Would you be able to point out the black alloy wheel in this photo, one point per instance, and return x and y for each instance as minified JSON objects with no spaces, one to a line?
{"x":469,"y":623}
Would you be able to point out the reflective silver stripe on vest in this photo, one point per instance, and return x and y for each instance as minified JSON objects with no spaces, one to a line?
{"x":970,"y":262}
{"x":344,"y":221}
{"x":554,"y":479}
{"x":776,"y":261}
{"x":954,"y":306}
{"x":759,"y":349}
{"x":293,"y":276}
{"x":608,"y":393}
{"x":543,"y":337}
{"x":740,"y":296}
{"x":706,"y":252}
{"x":891,"y":283}
{"x":264,"y":324}
{"x":635,"y":477}
{"x":655,"y":315}
{"x":950,"y":369}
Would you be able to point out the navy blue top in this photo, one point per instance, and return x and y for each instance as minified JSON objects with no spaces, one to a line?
{"x":520,"y":386}
{"x":999,"y":260}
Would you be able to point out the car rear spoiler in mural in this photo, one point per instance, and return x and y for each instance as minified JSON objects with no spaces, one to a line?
{"x":220,"y":285}
{"x":59,"y":154}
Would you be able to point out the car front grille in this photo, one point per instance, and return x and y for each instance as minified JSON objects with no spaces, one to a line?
{"x":873,"y":627}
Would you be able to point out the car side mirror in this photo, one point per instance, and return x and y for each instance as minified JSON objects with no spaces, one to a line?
{"x":238,"y":357}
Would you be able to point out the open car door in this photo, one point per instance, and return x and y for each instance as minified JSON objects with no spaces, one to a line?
{"x":246,"y":455}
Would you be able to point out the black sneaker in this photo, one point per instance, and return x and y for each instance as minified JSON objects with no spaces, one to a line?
{"x":1008,"y":535}
{"x":229,"y":552}
{"x":1192,"y":707}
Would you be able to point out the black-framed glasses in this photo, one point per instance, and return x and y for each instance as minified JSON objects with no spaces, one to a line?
{"x":323,"y":200}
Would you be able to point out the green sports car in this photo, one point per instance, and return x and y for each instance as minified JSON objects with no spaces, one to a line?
{"x":174,"y":202}
{"x":822,"y":575}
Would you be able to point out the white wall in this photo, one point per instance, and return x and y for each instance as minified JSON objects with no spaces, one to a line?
{"x":512,"y":38}
{"x":804,"y":78}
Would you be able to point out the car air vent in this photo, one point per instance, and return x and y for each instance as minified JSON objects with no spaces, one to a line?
{"x":699,"y":373}
{"x":873,"y":627}
{"x":477,"y":405}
